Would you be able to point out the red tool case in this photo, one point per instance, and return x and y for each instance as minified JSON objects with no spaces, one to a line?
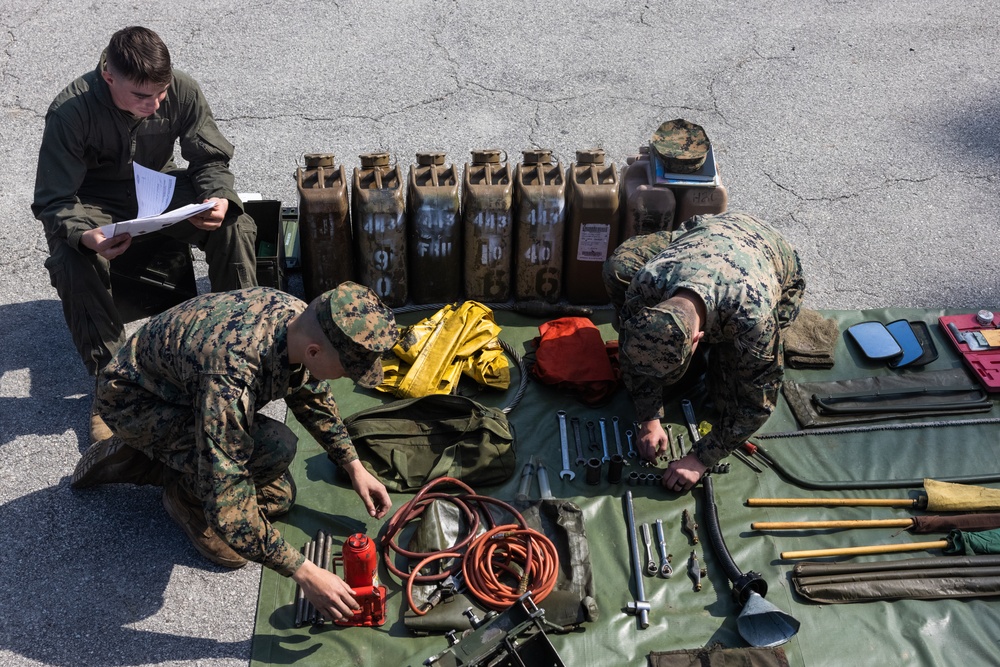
{"x":984,"y":363}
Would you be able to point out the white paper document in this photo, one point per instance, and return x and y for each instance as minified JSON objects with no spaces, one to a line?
{"x":153,"y":191}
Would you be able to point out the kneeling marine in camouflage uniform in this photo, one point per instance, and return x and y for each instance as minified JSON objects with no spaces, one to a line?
{"x":182,"y":397}
{"x":729,"y":281}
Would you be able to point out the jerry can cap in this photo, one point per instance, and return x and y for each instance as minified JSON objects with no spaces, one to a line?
{"x":537,"y":156}
{"x":590,"y":156}
{"x":314,"y":160}
{"x":376,"y":159}
{"x":681,"y":145}
{"x":428,"y":158}
{"x":488,"y":156}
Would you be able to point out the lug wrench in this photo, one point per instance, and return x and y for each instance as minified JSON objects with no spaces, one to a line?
{"x":631,"y":446}
{"x":566,"y":473}
{"x":647,"y":541}
{"x":640,"y":606}
{"x":618,"y":435}
{"x":575,"y":423}
{"x":604,"y":439}
{"x":665,"y":570}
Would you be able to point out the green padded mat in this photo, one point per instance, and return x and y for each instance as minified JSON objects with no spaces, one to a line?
{"x":881,"y":633}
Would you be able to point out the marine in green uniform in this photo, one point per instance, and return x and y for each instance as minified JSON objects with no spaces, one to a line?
{"x":730,"y":282}
{"x":183,"y":396}
{"x":134,"y":107}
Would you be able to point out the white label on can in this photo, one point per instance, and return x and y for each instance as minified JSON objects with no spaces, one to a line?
{"x":593,"y":243}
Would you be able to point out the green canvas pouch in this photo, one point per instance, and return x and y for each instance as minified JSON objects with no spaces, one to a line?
{"x":408,"y":443}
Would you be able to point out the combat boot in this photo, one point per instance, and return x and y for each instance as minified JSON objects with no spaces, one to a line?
{"x":98,"y":429}
{"x":111,"y":461}
{"x":188,"y":513}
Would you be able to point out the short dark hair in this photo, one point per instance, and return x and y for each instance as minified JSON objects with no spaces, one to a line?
{"x":139,"y":55}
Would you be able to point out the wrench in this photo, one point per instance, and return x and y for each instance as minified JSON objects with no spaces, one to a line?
{"x":618,"y":435}
{"x":631,"y":447}
{"x":604,"y":438}
{"x":665,"y":570}
{"x":647,"y":542}
{"x":639,"y":608}
{"x":592,"y":432}
{"x":575,"y":423}
{"x":566,"y":473}
{"x":688,"y":411}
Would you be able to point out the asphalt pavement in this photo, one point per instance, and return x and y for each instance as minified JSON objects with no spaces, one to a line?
{"x":867,"y":132}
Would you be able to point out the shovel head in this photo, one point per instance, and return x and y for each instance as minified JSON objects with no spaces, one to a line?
{"x":763,"y":625}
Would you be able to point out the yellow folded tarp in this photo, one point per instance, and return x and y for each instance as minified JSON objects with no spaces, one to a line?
{"x":432,"y":354}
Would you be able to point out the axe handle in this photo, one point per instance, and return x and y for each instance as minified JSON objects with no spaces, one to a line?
{"x":829,"y":502}
{"x":804,"y":525}
{"x":861,"y":551}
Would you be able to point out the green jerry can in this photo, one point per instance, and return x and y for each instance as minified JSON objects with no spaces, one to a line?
{"x":378,"y":212}
{"x":593,"y":203}
{"x":326,"y":248}
{"x":487,"y":196}
{"x":434,"y":235}
{"x":540,"y":215}
{"x":647,"y":208}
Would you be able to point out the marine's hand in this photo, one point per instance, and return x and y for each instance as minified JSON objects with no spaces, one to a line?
{"x":652,"y":439}
{"x":103,"y":246}
{"x":330,"y":594}
{"x":371,"y":491}
{"x":681,"y":475}
{"x":211,"y":219}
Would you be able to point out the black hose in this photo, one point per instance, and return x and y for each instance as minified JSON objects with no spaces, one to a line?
{"x":744,"y":583}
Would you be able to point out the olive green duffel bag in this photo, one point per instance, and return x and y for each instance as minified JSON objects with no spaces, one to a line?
{"x":407,"y":443}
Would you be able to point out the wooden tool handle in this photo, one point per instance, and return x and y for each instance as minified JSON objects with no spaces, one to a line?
{"x":861,"y":551}
{"x":805,"y":525}
{"x":828,"y":502}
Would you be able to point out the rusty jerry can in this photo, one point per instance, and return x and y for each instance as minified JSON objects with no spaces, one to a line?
{"x":487,"y":195}
{"x":699,"y":201}
{"x":325,"y":241}
{"x":378,"y":212}
{"x":540,"y":222}
{"x":434,"y":231}
{"x":593,"y":221}
{"x":647,"y":208}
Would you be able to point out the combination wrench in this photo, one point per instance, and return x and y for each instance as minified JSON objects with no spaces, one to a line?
{"x":575,"y":423}
{"x":566,"y":473}
{"x":618,"y":435}
{"x":631,"y":446}
{"x":604,"y":439}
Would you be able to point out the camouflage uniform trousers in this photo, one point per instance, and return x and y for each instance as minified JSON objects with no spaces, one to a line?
{"x":166,"y":435}
{"x":82,"y":278}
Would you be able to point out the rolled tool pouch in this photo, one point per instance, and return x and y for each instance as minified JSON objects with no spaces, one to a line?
{"x":937,"y":578}
{"x":407,"y":443}
{"x":875,"y":398}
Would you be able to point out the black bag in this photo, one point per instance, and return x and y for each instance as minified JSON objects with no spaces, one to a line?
{"x":407,"y":443}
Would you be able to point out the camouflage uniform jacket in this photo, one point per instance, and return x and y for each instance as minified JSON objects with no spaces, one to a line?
{"x":198,"y":374}
{"x":751,"y":282}
{"x":89,"y":144}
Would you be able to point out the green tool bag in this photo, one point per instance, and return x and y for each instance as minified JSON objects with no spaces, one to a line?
{"x":408,"y":443}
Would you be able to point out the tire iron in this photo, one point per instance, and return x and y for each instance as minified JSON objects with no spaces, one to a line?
{"x":640,"y":606}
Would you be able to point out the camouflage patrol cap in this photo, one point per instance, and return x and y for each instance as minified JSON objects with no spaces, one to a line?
{"x":360,"y":327}
{"x":682,"y":146}
{"x":656,"y":342}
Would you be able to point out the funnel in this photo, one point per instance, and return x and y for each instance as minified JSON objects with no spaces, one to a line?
{"x":760,"y":623}
{"x":763,"y":625}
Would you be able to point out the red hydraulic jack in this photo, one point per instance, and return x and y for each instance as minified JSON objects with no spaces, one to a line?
{"x":361,"y":574}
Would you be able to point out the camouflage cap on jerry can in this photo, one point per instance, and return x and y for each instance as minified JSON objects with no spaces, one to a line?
{"x":681,"y":145}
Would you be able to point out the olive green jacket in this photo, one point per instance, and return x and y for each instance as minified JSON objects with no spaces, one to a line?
{"x":89,"y":145}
